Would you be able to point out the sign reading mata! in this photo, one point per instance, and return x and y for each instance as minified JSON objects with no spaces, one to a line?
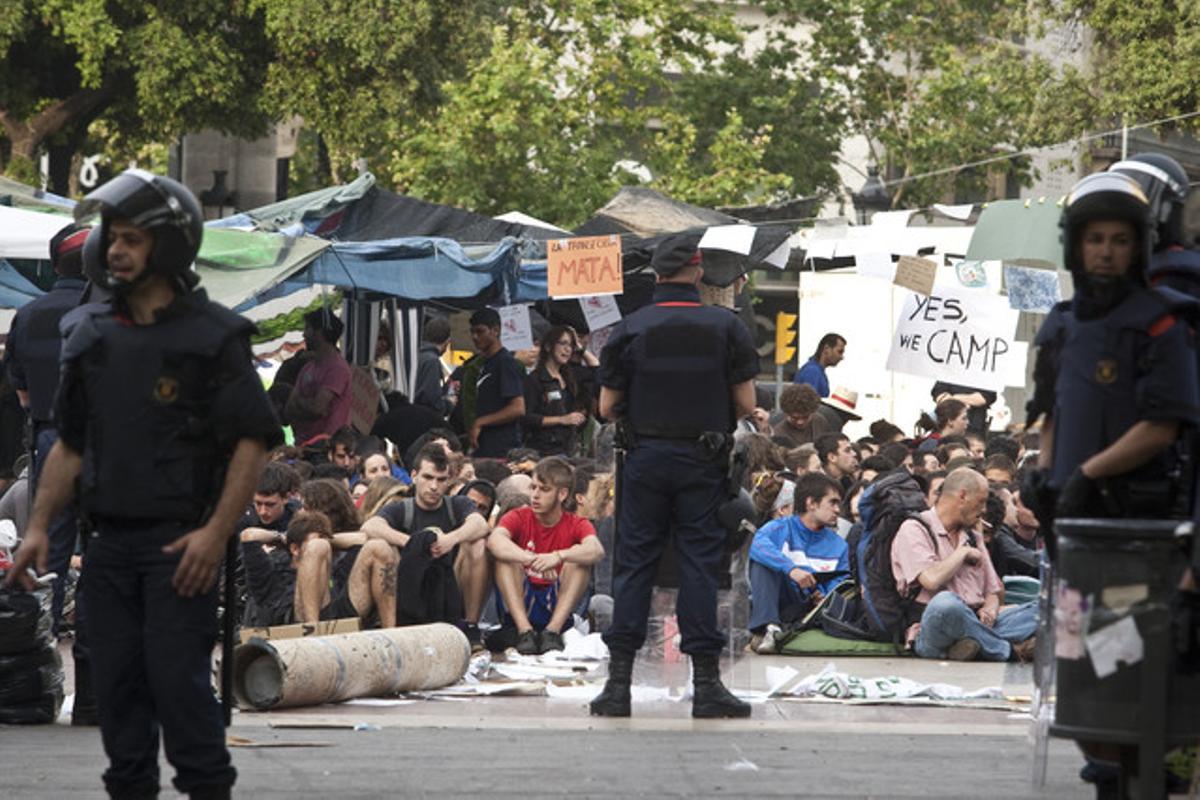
{"x":588,"y":265}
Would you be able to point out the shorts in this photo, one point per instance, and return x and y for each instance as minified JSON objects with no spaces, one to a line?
{"x":339,"y":607}
{"x":539,"y":605}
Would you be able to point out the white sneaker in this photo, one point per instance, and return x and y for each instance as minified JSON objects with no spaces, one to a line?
{"x":768,"y":646}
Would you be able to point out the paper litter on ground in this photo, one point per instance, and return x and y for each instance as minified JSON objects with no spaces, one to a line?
{"x":831,"y":684}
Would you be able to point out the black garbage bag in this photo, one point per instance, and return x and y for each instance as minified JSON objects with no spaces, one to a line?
{"x":24,"y":621}
{"x":42,"y":711}
{"x":26,"y":677}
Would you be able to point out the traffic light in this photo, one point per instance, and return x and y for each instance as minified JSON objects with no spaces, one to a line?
{"x":785,"y":337}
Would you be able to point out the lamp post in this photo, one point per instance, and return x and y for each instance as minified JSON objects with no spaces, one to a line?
{"x":872,"y":197}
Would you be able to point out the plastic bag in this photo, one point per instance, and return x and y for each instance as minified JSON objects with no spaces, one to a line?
{"x":25,"y":677}
{"x":24,"y":621}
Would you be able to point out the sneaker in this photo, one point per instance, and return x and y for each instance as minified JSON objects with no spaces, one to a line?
{"x":550,"y":641}
{"x":1023,"y":651}
{"x":527,"y":643}
{"x":474,"y":638}
{"x":769,"y":643}
{"x":963,"y":650}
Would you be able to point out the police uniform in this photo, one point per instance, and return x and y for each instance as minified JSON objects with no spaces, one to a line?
{"x":675,"y":361}
{"x":31,"y":358}
{"x":155,"y":412}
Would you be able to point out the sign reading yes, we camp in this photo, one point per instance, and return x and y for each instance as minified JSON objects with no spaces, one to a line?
{"x":588,"y":265}
{"x":960,"y":336}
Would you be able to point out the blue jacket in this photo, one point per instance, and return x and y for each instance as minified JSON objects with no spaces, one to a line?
{"x":785,"y":544}
{"x":813,"y":374}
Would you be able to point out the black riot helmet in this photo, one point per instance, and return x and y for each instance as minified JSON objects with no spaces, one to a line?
{"x":158,"y":204}
{"x":1105,"y":196}
{"x":1165,"y":185}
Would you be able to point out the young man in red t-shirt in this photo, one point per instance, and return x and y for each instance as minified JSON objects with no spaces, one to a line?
{"x":544,"y":556}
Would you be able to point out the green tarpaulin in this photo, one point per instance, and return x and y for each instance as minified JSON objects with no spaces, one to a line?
{"x":1018,"y":231}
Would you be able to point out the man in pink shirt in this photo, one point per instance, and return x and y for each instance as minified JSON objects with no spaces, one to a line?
{"x":958,"y":587}
{"x":320,"y":402}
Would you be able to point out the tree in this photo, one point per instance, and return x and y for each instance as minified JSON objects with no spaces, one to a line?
{"x":152,"y":69}
{"x":359,"y":71}
{"x":932,"y":84}
{"x":569,"y":90}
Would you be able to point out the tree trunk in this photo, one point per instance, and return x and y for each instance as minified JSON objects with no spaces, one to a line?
{"x":27,"y":135}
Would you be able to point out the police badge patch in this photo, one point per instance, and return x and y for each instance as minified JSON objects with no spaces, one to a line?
{"x":1106,"y":370}
{"x":166,"y":390}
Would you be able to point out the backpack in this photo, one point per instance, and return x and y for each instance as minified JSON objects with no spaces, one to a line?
{"x":408,"y":511}
{"x":885,"y":506}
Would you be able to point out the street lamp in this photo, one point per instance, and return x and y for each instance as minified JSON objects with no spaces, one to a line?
{"x":872,"y":197}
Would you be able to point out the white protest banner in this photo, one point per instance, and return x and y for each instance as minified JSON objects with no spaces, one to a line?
{"x":516,"y":331}
{"x":600,"y":311}
{"x":957,"y":335}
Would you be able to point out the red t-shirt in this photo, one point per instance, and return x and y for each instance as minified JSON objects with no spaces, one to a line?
{"x":531,"y":535}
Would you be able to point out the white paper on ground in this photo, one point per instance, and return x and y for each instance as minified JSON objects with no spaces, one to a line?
{"x":778,"y":678}
{"x":584,"y":648}
{"x":579,"y":692}
{"x":732,"y":238}
{"x":1115,"y":644}
{"x":836,"y":685}
{"x":377,"y":702}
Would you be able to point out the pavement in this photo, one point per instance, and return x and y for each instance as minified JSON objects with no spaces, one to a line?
{"x":505,"y":746}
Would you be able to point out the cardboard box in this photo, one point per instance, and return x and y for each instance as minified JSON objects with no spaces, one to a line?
{"x":322,"y":628}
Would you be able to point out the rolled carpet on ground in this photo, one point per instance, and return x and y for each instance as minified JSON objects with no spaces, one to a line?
{"x":286,"y":673}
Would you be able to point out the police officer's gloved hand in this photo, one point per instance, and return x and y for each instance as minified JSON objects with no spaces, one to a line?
{"x":1082,"y":496}
{"x":1038,"y":497}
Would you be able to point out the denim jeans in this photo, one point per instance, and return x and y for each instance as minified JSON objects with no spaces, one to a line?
{"x":947,"y":619}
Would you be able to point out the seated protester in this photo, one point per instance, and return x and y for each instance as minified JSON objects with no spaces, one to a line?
{"x":791,"y":559}
{"x":1000,"y":444}
{"x":802,"y":459}
{"x":950,"y":419}
{"x":331,"y":497}
{"x":483,"y":495}
{"x":933,"y":486}
{"x":867,"y":446}
{"x":873,"y":466}
{"x":522,"y":460}
{"x":342,"y":449}
{"x":1000,"y":469}
{"x":444,"y":437}
{"x":975,"y":446}
{"x":490,"y":469}
{"x":885,"y":433}
{"x":332,"y":472}
{"x":838,"y":459}
{"x":1009,"y":556}
{"x":383,"y":490}
{"x":274,"y":501}
{"x":898,"y":454}
{"x":801,"y":423}
{"x":374,"y":446}
{"x":953,"y":447}
{"x":456,"y":521}
{"x":543,"y":556}
{"x":939,"y":557}
{"x":925,"y":463}
{"x":300,"y":588}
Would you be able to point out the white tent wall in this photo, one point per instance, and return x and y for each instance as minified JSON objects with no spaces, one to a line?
{"x":864,"y":311}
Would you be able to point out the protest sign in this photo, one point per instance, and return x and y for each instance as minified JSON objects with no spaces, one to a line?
{"x":516,"y":331}
{"x":587,"y":265}
{"x":364,"y":399}
{"x":1031,"y":289}
{"x":957,"y":335}
{"x":918,"y":274}
{"x":600,"y":311}
{"x":876,"y":265}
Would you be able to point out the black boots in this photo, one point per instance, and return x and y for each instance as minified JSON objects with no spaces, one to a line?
{"x":711,"y":700}
{"x":84,"y":712}
{"x":614,"y":700}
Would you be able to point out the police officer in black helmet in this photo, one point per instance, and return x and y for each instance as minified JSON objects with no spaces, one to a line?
{"x":163,"y":427}
{"x":1115,"y":375}
{"x":678,"y":375}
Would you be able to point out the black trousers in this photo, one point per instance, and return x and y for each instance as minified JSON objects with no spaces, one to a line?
{"x":151,"y":655}
{"x":668,"y":487}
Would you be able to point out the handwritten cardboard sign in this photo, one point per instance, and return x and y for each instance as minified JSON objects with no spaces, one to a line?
{"x":918,"y":274}
{"x":364,"y":399}
{"x":960,"y":336}
{"x":587,"y":265}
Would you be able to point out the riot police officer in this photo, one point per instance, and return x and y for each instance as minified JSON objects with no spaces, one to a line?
{"x":1116,"y":371}
{"x":1165,"y":184}
{"x":31,"y":357}
{"x":163,"y":427}
{"x":678,"y":375}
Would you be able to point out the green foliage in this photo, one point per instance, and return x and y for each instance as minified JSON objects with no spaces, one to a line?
{"x":273,"y":328}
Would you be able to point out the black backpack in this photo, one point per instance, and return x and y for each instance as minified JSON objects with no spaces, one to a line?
{"x":885,"y":505}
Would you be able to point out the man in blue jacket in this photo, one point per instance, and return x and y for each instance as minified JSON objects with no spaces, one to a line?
{"x":796,"y":560}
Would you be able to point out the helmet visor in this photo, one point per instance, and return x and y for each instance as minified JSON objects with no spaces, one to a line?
{"x":132,"y":196}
